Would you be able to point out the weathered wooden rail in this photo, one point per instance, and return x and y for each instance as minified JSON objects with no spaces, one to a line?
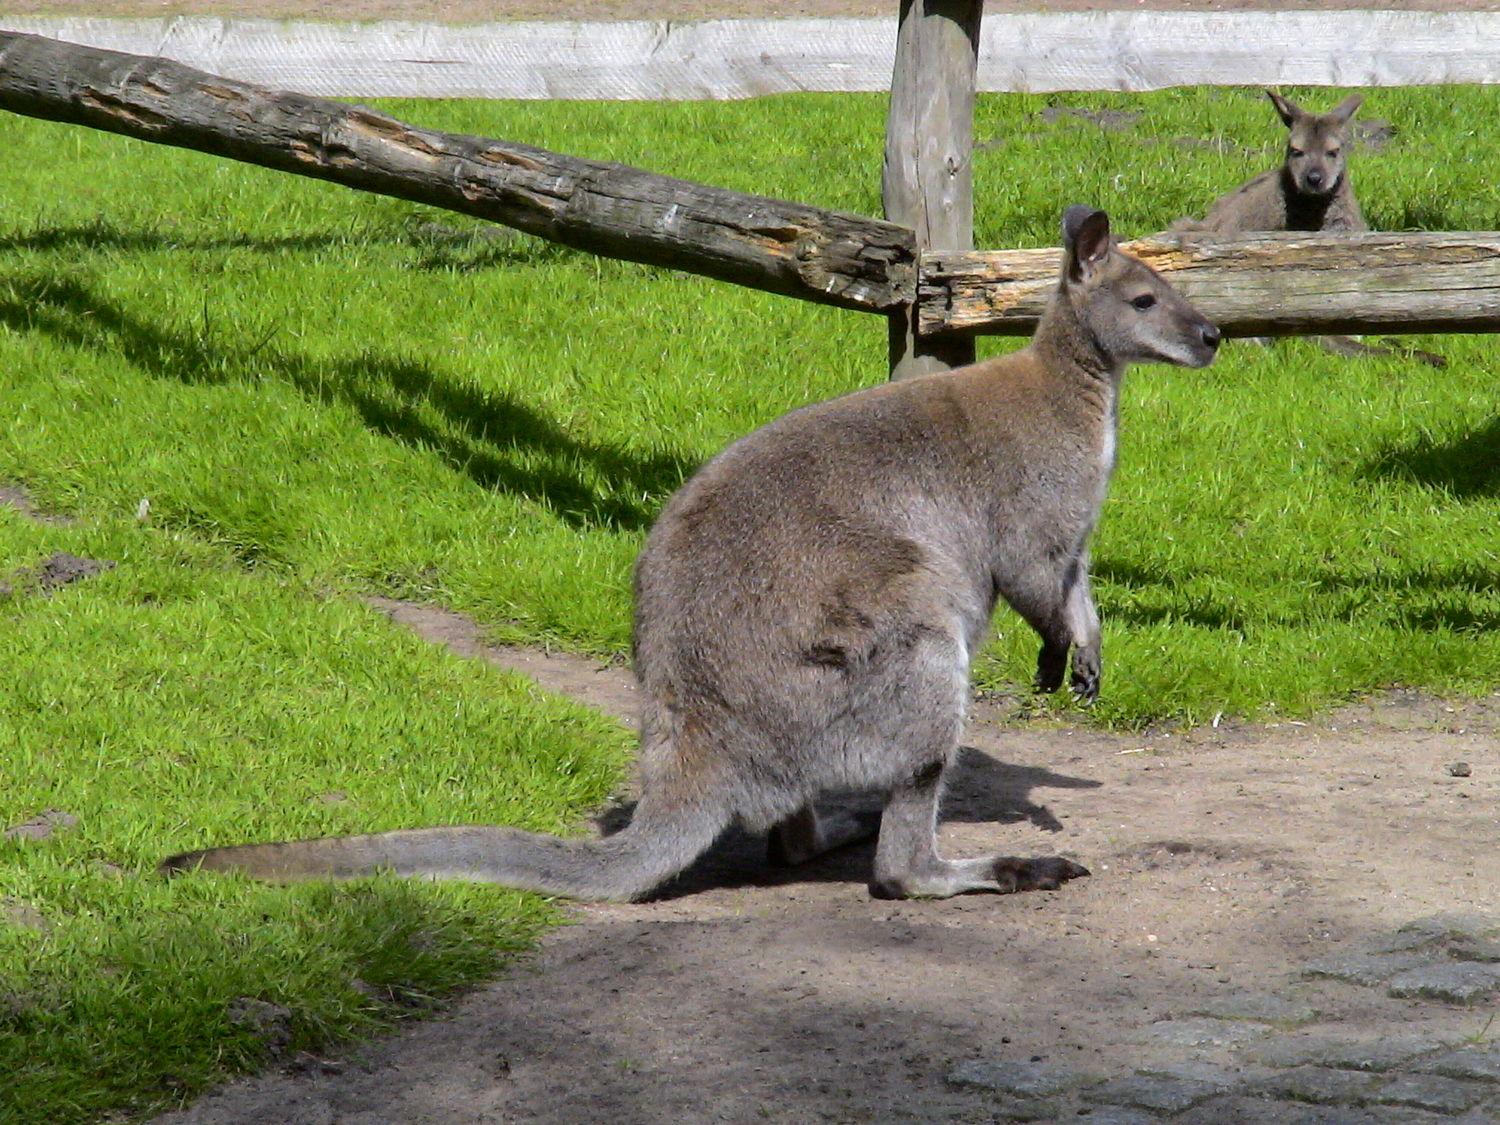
{"x":1252,"y":285}
{"x":611,"y":209}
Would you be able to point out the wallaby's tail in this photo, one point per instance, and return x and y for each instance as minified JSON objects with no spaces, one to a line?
{"x":657,"y":844}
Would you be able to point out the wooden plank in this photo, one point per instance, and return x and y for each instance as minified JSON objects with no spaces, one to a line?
{"x":825,"y":256}
{"x":928,"y":180}
{"x":1018,"y":51}
{"x":1254,"y":285}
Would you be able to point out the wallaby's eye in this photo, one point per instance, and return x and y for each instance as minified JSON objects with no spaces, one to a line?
{"x":1298,"y":152}
{"x":1143,"y":302}
{"x":1332,"y":153}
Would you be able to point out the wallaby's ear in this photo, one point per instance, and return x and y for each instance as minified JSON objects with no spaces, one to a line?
{"x":1288,"y":109}
{"x":1345,"y":109}
{"x":1085,"y":239}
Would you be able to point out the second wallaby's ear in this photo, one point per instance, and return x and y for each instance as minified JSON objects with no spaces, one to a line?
{"x":1345,"y":109}
{"x":1288,"y":109}
{"x":1085,"y":239}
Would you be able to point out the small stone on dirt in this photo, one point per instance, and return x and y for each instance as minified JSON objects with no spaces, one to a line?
{"x":1481,"y":1063}
{"x":1204,"y":1032}
{"x":1431,"y":1091}
{"x":1318,"y":1084}
{"x":41,"y":826}
{"x":1368,"y":969}
{"x":1161,"y":1093}
{"x":1459,"y":769}
{"x":1342,"y":1054}
{"x":1456,"y":982}
{"x":1024,"y":1079}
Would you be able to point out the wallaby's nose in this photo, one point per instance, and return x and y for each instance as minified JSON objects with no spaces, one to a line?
{"x":1314,"y":178}
{"x":1211,"y":336}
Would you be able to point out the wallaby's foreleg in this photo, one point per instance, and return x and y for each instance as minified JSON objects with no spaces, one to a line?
{"x":1083,"y":621}
{"x":1061,"y":609}
{"x":805,"y":835}
{"x":907,"y":864}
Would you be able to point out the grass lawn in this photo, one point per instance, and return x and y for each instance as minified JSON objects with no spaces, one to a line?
{"x":322,"y":393}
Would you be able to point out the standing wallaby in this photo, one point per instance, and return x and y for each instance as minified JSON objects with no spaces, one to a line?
{"x":808,"y":604}
{"x":1311,"y":189}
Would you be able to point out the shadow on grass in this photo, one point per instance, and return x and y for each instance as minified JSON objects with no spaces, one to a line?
{"x":1467,"y":467}
{"x":440,"y":247}
{"x":498,"y":441}
{"x":1458,"y":598}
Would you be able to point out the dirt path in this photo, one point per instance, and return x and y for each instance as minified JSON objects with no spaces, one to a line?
{"x":1228,"y":865}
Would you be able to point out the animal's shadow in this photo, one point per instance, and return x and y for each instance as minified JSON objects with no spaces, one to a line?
{"x":980,"y":789}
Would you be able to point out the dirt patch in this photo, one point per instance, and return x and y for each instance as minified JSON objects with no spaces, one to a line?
{"x":16,"y":498}
{"x":41,"y":826}
{"x":57,"y":570}
{"x":1110,"y":120}
{"x":1227,"y":863}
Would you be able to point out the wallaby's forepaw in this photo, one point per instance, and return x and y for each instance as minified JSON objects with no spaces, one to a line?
{"x":1086,"y":677}
{"x":1040,"y":873}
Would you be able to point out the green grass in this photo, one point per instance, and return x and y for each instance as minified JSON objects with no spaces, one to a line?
{"x":323,"y":393}
{"x":178,"y":699}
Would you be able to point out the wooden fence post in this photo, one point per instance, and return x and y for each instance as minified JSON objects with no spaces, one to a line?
{"x":928,"y":180}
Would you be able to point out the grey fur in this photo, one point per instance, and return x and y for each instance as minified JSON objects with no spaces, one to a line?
{"x":807,"y":606}
{"x":1311,"y":190}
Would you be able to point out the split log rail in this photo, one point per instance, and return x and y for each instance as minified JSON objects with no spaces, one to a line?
{"x":916,"y":268}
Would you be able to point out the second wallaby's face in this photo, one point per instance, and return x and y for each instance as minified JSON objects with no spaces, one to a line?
{"x":1129,"y":310}
{"x":1316,"y":145}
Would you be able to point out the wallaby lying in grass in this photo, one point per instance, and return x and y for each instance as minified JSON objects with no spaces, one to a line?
{"x":1311,"y":191}
{"x":807,"y":606}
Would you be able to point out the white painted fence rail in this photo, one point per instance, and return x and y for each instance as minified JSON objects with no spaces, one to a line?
{"x":1036,"y":52}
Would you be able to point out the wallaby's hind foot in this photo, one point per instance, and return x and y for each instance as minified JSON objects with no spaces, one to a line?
{"x":999,"y":874}
{"x":805,"y":835}
{"x":907,"y":864}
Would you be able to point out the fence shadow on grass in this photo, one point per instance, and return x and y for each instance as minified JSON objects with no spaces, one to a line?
{"x":107,"y":236}
{"x":1467,"y":467}
{"x":493,"y":438}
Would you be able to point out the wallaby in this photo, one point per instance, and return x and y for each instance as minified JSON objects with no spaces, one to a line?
{"x":807,"y":606}
{"x":1311,"y":189}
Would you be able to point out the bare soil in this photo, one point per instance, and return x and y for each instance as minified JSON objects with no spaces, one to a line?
{"x":1224,"y":861}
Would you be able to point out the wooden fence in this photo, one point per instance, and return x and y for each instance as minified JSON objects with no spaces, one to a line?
{"x":917,"y":267}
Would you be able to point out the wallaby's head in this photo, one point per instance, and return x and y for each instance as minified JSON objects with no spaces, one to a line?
{"x":1317,"y":143}
{"x":1126,"y":308}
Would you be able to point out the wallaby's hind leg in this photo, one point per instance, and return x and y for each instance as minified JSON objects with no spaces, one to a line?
{"x":805,"y":835}
{"x":907,"y":864}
